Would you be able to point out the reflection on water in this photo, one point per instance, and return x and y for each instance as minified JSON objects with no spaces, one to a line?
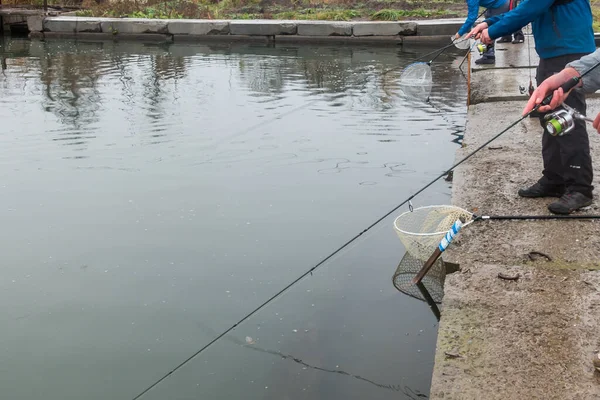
{"x":154,"y":195}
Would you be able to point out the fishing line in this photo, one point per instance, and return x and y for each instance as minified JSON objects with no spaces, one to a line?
{"x":424,"y":221}
{"x":531,"y":88}
{"x":330,"y":256}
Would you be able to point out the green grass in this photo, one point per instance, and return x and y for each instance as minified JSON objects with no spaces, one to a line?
{"x":325,"y":15}
{"x":332,"y":10}
{"x":596,"y":14}
{"x":396,"y":15}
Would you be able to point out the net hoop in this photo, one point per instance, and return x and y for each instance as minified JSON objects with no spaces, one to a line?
{"x":422,"y":229}
{"x":398,"y":218}
{"x":416,"y":81}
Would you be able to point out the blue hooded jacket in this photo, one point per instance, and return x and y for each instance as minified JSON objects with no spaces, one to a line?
{"x":473,"y":6}
{"x":558,"y":29}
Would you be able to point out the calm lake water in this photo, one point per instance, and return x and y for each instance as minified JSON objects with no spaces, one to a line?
{"x":152,"y":196}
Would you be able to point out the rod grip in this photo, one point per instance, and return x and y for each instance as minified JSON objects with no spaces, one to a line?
{"x":456,"y":227}
{"x":568,"y":85}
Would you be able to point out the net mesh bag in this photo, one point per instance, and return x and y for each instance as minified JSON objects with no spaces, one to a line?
{"x":461,"y":43}
{"x":430,"y":289}
{"x":416,"y":81}
{"x":422,"y":229}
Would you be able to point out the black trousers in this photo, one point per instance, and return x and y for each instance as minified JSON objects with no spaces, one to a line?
{"x":567,"y":159}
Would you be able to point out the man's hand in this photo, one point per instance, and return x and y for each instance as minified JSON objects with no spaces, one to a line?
{"x":596,"y":123}
{"x":551,"y":85}
{"x":485,"y":37}
{"x":457,"y":36}
{"x":475,"y":32}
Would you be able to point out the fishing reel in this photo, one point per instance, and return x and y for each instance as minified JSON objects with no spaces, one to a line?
{"x":482,"y":48}
{"x":562,"y":121}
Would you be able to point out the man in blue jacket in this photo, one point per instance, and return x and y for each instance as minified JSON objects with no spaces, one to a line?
{"x":562,"y":30}
{"x":493,"y":7}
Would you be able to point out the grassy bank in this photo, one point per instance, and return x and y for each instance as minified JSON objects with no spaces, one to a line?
{"x":330,"y":10}
{"x":336,"y":10}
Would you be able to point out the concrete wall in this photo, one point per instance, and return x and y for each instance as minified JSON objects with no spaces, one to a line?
{"x":277,"y":30}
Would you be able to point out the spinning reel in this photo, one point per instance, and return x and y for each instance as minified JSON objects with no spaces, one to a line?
{"x":562,"y":121}
{"x":482,"y":48}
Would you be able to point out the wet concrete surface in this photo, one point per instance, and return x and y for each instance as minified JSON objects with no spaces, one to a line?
{"x":533,"y":337}
{"x":509,"y":77}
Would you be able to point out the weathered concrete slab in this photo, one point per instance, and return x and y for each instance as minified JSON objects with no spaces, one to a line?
{"x":500,"y":84}
{"x":198,"y":27}
{"x":529,"y":339}
{"x":88,"y":25}
{"x":263,"y":28}
{"x":445,"y":27}
{"x":19,"y":11}
{"x":58,"y":24}
{"x":504,"y":84}
{"x":384,"y":28}
{"x":510,"y":55}
{"x":35,"y":23}
{"x":71,"y":24}
{"x":324,"y":28}
{"x":534,"y":337}
{"x":133,"y":26}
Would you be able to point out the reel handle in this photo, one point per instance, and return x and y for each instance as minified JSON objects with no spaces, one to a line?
{"x":568,"y":85}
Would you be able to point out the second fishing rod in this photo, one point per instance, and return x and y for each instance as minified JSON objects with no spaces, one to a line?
{"x":566,"y":87}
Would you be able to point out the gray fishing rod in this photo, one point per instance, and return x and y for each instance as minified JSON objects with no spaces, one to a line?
{"x":442,"y":49}
{"x":566,"y":87}
{"x":456,"y":228}
{"x":533,"y":217}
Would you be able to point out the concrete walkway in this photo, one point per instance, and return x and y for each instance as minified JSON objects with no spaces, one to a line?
{"x":533,"y":338}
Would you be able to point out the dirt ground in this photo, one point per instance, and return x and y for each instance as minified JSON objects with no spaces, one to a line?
{"x":533,"y":338}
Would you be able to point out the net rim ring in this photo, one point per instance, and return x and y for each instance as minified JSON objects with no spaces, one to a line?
{"x":422,"y":208}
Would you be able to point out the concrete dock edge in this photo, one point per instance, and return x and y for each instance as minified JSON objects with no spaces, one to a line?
{"x":534,"y":336}
{"x":287,"y":31}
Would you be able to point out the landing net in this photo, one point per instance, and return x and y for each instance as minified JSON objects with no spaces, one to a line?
{"x":431,"y":288}
{"x":416,"y":81}
{"x":422,"y":229}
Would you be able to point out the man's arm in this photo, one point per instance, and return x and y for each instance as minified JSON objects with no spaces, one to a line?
{"x":516,"y":19}
{"x":473,"y":6}
{"x":591,"y":82}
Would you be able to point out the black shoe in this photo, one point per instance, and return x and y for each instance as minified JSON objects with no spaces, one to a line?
{"x":539,"y":190}
{"x":504,"y":39}
{"x":518,"y":39}
{"x":569,"y":202}
{"x":486,"y":60}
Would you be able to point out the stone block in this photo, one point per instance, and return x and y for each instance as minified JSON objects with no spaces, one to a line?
{"x":439,"y":27}
{"x":71,"y":24}
{"x":35,"y":23}
{"x":133,"y":26}
{"x":263,"y":28}
{"x":317,"y":28}
{"x":58,"y":24}
{"x":88,"y":25}
{"x":384,"y":28}
{"x":198,"y":27}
